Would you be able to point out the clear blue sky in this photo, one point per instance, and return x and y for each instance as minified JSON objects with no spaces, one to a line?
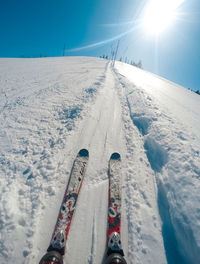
{"x":32,"y":27}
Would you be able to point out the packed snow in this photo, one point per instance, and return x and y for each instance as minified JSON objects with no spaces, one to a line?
{"x":50,"y":108}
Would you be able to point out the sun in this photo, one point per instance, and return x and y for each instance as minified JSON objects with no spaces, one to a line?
{"x":159,"y":14}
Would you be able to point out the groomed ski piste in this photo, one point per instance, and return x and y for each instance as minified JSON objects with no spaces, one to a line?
{"x":50,"y":108}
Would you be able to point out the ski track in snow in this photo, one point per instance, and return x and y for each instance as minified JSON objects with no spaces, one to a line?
{"x":50,"y":109}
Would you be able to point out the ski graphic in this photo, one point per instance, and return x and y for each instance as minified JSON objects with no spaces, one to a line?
{"x":114,"y":247}
{"x":56,"y":249}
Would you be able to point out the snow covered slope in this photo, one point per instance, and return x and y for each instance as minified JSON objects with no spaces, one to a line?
{"x":50,"y":108}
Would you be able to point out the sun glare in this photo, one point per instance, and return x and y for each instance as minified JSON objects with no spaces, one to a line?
{"x":159,"y":14}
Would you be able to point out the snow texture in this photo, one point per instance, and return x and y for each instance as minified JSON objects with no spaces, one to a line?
{"x":50,"y":108}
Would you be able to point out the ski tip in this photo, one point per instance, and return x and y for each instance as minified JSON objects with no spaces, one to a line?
{"x":83,"y":153}
{"x":115,"y":156}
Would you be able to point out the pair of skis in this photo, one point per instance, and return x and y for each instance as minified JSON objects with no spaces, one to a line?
{"x":56,"y":249}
